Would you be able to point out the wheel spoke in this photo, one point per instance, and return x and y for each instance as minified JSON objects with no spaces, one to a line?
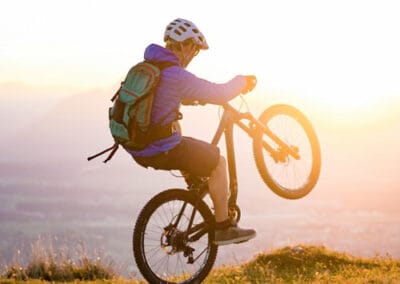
{"x":285,"y":175}
{"x":288,"y":176}
{"x":163,"y":245}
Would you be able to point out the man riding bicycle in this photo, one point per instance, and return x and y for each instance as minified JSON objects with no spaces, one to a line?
{"x":172,"y":151}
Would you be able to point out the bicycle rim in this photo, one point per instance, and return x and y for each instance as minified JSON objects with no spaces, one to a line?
{"x":163,"y":253}
{"x":288,"y":177}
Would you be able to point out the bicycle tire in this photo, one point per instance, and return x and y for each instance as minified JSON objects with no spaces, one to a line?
{"x":279,"y":119}
{"x":171,"y":199}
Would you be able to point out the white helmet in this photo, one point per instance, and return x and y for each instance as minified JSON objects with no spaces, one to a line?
{"x":180,"y":30}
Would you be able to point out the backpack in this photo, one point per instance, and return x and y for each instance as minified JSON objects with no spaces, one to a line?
{"x":129,"y":117}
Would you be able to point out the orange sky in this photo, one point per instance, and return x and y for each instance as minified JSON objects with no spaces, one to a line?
{"x":337,"y":61}
{"x":342,"y":55}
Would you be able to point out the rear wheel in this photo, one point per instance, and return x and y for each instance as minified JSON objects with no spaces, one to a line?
{"x":173,"y":239}
{"x":286,"y":175}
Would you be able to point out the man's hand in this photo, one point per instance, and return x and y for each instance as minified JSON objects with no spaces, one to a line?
{"x":251,"y":82}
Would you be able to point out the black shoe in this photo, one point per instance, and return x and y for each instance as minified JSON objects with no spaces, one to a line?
{"x":233,"y":235}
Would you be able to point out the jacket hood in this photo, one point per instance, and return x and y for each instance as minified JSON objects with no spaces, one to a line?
{"x":160,"y":54}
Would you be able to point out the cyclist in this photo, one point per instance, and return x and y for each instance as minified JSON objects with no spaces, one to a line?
{"x":170,"y":150}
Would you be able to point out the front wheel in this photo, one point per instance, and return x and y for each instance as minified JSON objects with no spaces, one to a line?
{"x":290,"y":167}
{"x":173,"y":239}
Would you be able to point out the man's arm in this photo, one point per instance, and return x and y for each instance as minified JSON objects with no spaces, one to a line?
{"x":195,"y":89}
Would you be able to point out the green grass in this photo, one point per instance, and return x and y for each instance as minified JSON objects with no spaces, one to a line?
{"x":298,"y":264}
{"x":309,"y":264}
{"x":50,"y":270}
{"x":50,"y":264}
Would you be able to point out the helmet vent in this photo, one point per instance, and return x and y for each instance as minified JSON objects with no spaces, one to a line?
{"x":181,"y":30}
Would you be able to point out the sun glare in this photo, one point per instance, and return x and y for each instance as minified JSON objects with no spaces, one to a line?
{"x":346,"y":67}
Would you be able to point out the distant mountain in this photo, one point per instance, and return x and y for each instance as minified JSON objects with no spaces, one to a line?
{"x":53,"y":128}
{"x":21,"y":104}
{"x":55,"y":142}
{"x":42,"y":127}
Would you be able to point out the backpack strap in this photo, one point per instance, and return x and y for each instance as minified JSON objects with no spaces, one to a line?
{"x":117,"y":92}
{"x":161,"y":65}
{"x":177,"y":117}
{"x":157,"y":130}
{"x":113,"y":149}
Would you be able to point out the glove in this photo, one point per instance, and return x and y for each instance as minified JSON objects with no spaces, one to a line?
{"x":251,"y":82}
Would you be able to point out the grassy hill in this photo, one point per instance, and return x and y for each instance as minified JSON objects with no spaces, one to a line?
{"x":298,"y":264}
{"x":309,"y":264}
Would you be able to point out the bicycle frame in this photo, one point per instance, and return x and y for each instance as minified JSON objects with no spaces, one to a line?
{"x":232,"y":117}
{"x":176,"y":232}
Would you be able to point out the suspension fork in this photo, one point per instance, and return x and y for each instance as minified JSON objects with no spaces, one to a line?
{"x":253,"y":129}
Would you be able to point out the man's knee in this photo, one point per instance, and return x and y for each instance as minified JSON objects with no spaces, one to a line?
{"x":220,"y":169}
{"x":221,"y":163}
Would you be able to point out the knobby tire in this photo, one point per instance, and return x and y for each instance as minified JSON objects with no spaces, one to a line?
{"x":290,"y":125}
{"x":171,"y":200}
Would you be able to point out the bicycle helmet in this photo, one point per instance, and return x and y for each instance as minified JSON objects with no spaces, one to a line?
{"x":180,"y":30}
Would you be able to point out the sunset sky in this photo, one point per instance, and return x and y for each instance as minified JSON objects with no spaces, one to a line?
{"x":337,"y":61}
{"x":343,"y":55}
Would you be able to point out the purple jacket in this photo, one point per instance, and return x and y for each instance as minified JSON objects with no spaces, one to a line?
{"x":177,"y":84}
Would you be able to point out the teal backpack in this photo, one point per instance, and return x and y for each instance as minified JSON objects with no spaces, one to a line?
{"x":129,"y":117}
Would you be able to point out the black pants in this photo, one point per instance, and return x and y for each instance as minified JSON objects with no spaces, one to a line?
{"x":193,"y":156}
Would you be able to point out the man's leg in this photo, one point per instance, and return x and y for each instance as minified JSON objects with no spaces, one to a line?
{"x":225,"y":231}
{"x":198,"y":158}
{"x":219,"y":192}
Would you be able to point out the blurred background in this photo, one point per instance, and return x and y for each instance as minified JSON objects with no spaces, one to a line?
{"x":61,"y":61}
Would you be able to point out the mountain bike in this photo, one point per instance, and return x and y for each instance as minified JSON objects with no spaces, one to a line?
{"x":173,"y":238}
